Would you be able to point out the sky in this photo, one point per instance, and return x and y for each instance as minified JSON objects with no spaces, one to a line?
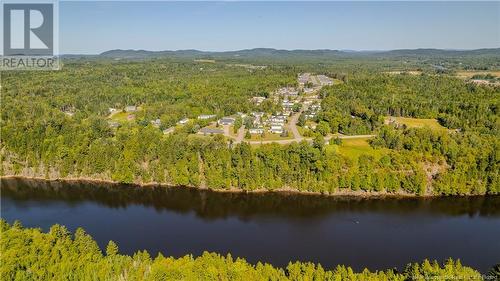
{"x":95,"y":27}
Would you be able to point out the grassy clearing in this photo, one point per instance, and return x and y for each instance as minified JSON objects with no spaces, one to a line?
{"x":122,"y":116}
{"x":418,"y":123}
{"x":337,"y":81}
{"x":468,"y":74}
{"x":354,"y":148}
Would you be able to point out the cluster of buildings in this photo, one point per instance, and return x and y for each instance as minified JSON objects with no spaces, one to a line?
{"x":287,"y":92}
{"x":315,"y":80}
{"x":258,"y":122}
{"x":274,"y":123}
{"x":303,"y":79}
{"x":287,"y":106}
{"x":312,"y":111}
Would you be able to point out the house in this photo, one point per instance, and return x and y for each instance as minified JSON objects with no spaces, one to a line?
{"x":130,"y":108}
{"x":256,"y":131}
{"x":156,"y":122}
{"x":210,"y":131}
{"x":206,"y":116}
{"x":276,"y":129}
{"x":168,"y":130}
{"x":183,"y":121}
{"x":227,"y":121}
{"x":112,"y":110}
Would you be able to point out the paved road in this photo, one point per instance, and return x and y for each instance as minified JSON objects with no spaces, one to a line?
{"x":240,"y":135}
{"x":226,"y":131}
{"x":327,"y":138}
{"x":292,"y":124}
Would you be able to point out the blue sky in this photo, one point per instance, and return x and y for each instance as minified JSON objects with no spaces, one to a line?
{"x":94,"y":27}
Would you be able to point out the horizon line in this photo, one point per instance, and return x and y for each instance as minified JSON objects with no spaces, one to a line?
{"x":289,"y":50}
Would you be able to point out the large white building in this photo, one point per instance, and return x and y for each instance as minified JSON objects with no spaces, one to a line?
{"x":206,"y":116}
{"x":227,"y":121}
{"x":276,"y":129}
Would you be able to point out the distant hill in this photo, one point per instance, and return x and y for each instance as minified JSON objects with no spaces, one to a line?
{"x":275,"y":53}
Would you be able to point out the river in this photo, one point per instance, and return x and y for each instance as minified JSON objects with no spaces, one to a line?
{"x":276,"y":228}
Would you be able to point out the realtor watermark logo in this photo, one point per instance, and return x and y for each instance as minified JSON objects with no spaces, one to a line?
{"x":30,"y":35}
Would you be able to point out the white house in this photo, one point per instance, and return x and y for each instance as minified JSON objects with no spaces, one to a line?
{"x":183,"y":121}
{"x":206,"y":116}
{"x":276,"y":129}
{"x":168,"y":130}
{"x":256,"y":131}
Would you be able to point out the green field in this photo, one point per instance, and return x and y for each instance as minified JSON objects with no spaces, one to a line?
{"x":353,"y":148}
{"x":418,"y":123}
{"x":121,"y":116}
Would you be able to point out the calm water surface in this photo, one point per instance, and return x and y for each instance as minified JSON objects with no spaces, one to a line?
{"x":275,"y":228}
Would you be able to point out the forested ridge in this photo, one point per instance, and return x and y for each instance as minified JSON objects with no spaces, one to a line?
{"x":31,"y":254}
{"x":40,"y":139}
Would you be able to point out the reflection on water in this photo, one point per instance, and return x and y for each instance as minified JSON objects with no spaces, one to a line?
{"x":272,"y":227}
{"x":211,"y":205}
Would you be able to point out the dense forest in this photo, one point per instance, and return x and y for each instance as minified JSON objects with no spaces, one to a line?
{"x":55,"y":125}
{"x":31,"y":254}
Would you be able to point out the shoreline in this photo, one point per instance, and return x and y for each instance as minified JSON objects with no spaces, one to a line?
{"x":284,"y":191}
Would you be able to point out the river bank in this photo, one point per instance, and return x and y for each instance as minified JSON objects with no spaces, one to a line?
{"x":286,"y":190}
